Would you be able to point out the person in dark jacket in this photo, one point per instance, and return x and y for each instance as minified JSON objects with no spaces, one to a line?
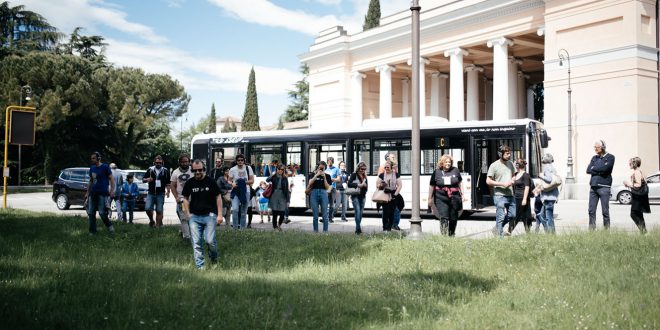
{"x":600,"y":167}
{"x":445,"y":194}
{"x":358,"y":179}
{"x":640,"y":203}
{"x":278,"y":200}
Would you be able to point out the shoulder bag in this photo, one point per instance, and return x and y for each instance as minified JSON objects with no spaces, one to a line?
{"x":380,"y":196}
{"x":269,"y":191}
{"x":641,"y":191}
{"x":354,"y":191}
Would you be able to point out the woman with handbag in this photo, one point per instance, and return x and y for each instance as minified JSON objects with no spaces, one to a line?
{"x":640,"y":194}
{"x":279,"y":196}
{"x":388,"y":182}
{"x":318,"y":187}
{"x":549,"y":197}
{"x":225,"y":191}
{"x":357,"y":186}
{"x":522,"y":191}
{"x":445,"y":194}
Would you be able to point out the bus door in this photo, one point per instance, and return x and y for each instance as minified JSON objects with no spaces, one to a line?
{"x":216,"y":153}
{"x":484,"y":154}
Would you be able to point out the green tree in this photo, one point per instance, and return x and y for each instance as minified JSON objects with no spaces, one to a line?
{"x":372,"y":18}
{"x":299,"y":107}
{"x":85,"y":46}
{"x":212,"y":120}
{"x":251,"y":114}
{"x":23,"y":30}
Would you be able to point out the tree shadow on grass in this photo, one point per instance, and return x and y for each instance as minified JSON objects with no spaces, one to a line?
{"x":136,"y":295}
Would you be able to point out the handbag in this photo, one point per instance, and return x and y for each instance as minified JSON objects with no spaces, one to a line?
{"x":641,"y":191}
{"x":381,"y":196}
{"x":555,"y":183}
{"x":353,"y":191}
{"x":268,"y":192}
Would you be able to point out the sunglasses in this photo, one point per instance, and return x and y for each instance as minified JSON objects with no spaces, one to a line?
{"x":240,"y":160}
{"x":158,"y":163}
{"x":198,"y":170}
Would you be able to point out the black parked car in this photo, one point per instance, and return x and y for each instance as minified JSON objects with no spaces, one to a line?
{"x":70,"y":187}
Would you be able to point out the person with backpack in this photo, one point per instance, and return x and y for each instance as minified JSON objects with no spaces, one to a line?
{"x":549,"y":196}
{"x":445,"y":194}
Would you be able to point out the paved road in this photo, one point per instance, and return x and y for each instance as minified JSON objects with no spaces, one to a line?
{"x":571,"y":216}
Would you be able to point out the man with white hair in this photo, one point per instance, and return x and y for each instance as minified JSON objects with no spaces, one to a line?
{"x":600,"y":167}
{"x":119,"y":182}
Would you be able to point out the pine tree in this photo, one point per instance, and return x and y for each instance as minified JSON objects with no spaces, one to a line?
{"x":372,"y":18}
{"x":251,"y":114}
{"x":299,"y":107}
{"x":212,"y":120}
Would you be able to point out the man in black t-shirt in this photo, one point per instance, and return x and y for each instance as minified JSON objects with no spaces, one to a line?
{"x":202,"y":200}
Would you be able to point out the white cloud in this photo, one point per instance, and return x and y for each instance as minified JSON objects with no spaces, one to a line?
{"x":175,"y":3}
{"x":329,"y":2}
{"x":195,"y":73}
{"x":66,"y":15}
{"x":266,"y":13}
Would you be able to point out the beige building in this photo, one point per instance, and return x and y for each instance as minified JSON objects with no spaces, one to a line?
{"x":481,"y":59}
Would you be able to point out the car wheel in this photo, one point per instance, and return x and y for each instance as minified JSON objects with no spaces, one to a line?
{"x":624,"y":197}
{"x":62,"y":202}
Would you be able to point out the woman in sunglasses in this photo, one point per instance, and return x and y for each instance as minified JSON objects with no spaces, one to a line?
{"x":357,"y":189}
{"x":319,"y":184}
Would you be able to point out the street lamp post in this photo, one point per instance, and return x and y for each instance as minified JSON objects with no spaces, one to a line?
{"x":28,"y":93}
{"x":564,"y":56}
{"x":415,"y":219}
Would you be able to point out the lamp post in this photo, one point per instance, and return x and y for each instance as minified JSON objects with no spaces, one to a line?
{"x":415,"y":219}
{"x":28,"y":94}
{"x":564,"y":56}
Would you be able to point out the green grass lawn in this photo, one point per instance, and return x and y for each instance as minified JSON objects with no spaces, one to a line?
{"x":53,"y":274}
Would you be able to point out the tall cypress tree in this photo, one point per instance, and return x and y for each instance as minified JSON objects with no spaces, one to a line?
{"x":372,"y":18}
{"x":251,"y":114}
{"x":212,"y":120}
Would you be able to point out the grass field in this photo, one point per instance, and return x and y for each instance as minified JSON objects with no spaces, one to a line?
{"x":53,"y":274}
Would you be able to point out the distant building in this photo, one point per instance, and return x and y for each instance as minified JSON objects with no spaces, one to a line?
{"x":220,"y":123}
{"x":480,"y":60}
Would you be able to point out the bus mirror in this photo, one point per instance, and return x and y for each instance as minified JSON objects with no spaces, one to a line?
{"x":543,"y":135}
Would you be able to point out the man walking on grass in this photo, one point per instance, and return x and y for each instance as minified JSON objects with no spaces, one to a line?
{"x":179,"y":178}
{"x":101,"y":186}
{"x":202,"y":201}
{"x":158,"y":178}
{"x":500,"y":173}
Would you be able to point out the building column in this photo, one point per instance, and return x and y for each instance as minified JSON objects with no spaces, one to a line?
{"x":456,"y":94}
{"x":422,"y":85}
{"x":522,"y":95}
{"x":438,"y":93}
{"x":500,"y":77}
{"x":473,"y":91}
{"x":488,"y":99}
{"x":530,"y":103}
{"x":405,"y":97}
{"x":385,"y":100}
{"x":513,"y":87}
{"x":356,"y":101}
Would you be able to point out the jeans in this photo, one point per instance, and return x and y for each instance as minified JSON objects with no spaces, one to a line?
{"x":358,"y":207}
{"x":318,"y":198}
{"x":128,"y":206}
{"x":95,"y":203}
{"x":343,"y":199}
{"x":332,"y":200}
{"x":157,"y":199}
{"x":238,"y":209}
{"x":602,"y":194}
{"x":202,"y":228}
{"x":502,"y":204}
{"x":548,"y":216}
{"x":185,"y":227}
{"x":396,"y":218}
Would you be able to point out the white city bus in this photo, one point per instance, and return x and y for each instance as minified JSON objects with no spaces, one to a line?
{"x":473,"y":145}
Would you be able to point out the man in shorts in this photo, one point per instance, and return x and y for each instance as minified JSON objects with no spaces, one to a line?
{"x":158,"y":178}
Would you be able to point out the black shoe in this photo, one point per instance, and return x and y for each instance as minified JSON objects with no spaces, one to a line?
{"x":358,"y":232}
{"x":152,"y":224}
{"x":396,"y":228}
{"x":249,"y":226}
{"x":331,"y":221}
{"x":344,"y":220}
{"x":287,"y":221}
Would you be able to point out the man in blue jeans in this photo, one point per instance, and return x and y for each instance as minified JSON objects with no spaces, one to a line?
{"x":600,"y":167}
{"x":500,"y":173}
{"x":101,"y":187}
{"x":202,"y":201}
{"x":241,"y":178}
{"x":158,"y":178}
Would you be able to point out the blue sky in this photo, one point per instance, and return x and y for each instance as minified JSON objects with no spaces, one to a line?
{"x":209,"y":46}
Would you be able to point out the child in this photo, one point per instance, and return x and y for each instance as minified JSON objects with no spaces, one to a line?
{"x":263,"y":201}
{"x":129,"y":192}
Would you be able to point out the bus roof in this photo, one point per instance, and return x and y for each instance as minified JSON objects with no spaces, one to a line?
{"x":375,"y":126}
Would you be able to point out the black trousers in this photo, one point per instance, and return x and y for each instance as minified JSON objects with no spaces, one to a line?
{"x":276,"y":215}
{"x":388,"y":215}
{"x":523,"y":214}
{"x":638,"y":219}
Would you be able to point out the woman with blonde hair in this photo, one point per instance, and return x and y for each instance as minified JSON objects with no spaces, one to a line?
{"x":358,"y":186}
{"x":640,"y":202}
{"x":445,"y":194}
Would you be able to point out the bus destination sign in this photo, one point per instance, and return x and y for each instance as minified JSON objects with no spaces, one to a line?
{"x":227,"y":140}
